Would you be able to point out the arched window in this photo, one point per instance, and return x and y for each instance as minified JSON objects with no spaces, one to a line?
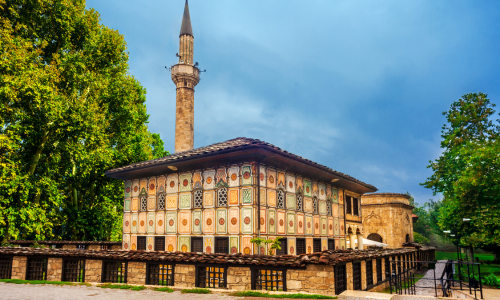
{"x":222,"y":196}
{"x":300,"y":203}
{"x":315,"y":205}
{"x":197,"y":198}
{"x":281,"y":198}
{"x":328,"y":208}
{"x":160,"y":204}
{"x":143,"y":201}
{"x":375,"y":237}
{"x":407,"y":238}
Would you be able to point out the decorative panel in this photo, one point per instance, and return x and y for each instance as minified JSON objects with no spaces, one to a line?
{"x":271,"y":178}
{"x":234,"y":244}
{"x":246,"y":217}
{"x":150,"y":243}
{"x":299,"y":184}
{"x":291,"y":246}
{"x":133,"y":242}
{"x":337,"y":243}
{"x":171,"y":243}
{"x":271,"y":198}
{"x":341,"y":211}
{"x":184,"y":243}
{"x":300,"y":224}
{"x":152,"y":203}
{"x":342,"y":243}
{"x":209,"y":221}
{"x":184,"y":222}
{"x":135,"y":188}
{"x":309,"y":245}
{"x":308,"y":204}
{"x":341,"y":197}
{"x":171,"y":222}
{"x":126,"y":223}
{"x":263,"y":220}
{"x":185,"y":182}
{"x":135,"y":223}
{"x":126,"y":242}
{"x":281,"y":223}
{"x":335,"y":195}
{"x":197,"y":221}
{"x":290,"y":183}
{"x":316,"y":225}
{"x":271,"y":229}
{"x":152,"y":186}
{"x":309,"y":225}
{"x":171,"y":202}
{"x":142,"y":223}
{"x":263,"y":176}
{"x":234,"y":179}
{"x":246,"y":245}
{"x":330,"y":227}
{"x":135,"y":204}
{"x":324,"y":244}
{"x":151,"y":222}
{"x":307,"y":188}
{"x":315,"y":188}
{"x":160,"y":184}
{"x":328,"y":192}
{"x":208,"y":244}
{"x":341,"y":224}
{"x":208,"y":199}
{"x":335,"y":210}
{"x":290,"y":223}
{"x":221,"y":177}
{"x":160,"y":222}
{"x":197,"y":180}
{"x":263,"y":198}
{"x":290,"y":201}
{"x":209,"y":182}
{"x":323,"y":226}
{"x":144,"y":185}
{"x":336,"y":227}
{"x":246,"y":196}
{"x":185,"y":201}
{"x":234,"y":196}
{"x":246,"y":175}
{"x":126,"y":204}
{"x":322,"y":207}
{"x":172,"y":183}
{"x":233,"y":219}
{"x":281,"y":180}
{"x":321,"y":191}
{"x":128,"y":189}
{"x":221,"y":220}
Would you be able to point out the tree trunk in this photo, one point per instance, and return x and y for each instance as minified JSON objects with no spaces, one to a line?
{"x":38,"y":153}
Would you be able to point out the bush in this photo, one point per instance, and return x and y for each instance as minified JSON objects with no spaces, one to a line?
{"x":417,"y":237}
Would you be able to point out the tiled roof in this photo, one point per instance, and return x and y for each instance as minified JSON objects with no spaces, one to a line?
{"x":329,"y":257}
{"x":234,"y":144}
{"x":28,"y":242}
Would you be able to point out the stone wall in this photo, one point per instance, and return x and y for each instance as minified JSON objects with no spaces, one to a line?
{"x":94,"y":247}
{"x":239,"y":278}
{"x":93,"y":270}
{"x":19,"y":267}
{"x":136,"y":273}
{"x":184,"y":276}
{"x":348,"y":271}
{"x":54,"y":269}
{"x":316,"y":279}
{"x":69,"y":246}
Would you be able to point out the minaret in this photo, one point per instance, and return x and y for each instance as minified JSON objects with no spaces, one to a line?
{"x":186,"y":76}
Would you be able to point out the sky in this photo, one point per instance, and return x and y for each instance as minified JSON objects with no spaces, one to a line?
{"x":358,"y":86}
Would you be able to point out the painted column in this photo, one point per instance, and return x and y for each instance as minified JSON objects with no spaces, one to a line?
{"x":360,"y":242}
{"x":352,"y":241}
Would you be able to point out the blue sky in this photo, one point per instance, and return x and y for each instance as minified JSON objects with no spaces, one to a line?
{"x":358,"y":86}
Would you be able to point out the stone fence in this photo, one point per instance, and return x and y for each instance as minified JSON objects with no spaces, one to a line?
{"x":80,"y":245}
{"x":329,"y":272}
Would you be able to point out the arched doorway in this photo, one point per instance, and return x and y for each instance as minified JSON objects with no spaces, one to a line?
{"x":407,"y":238}
{"x":375,"y":237}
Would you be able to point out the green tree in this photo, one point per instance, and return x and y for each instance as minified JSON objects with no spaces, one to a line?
{"x":69,"y":111}
{"x":468,"y":171}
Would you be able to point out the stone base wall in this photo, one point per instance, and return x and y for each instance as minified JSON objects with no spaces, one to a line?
{"x":239,"y":278}
{"x":69,"y":246}
{"x":184,"y":276}
{"x":380,"y":287}
{"x":94,"y":247}
{"x":93,"y":270}
{"x":318,"y":279}
{"x":115,"y":247}
{"x":136,"y":273}
{"x":19,"y":267}
{"x":54,"y":269}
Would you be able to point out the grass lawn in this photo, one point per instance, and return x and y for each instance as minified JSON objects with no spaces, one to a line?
{"x":417,"y":277}
{"x":486,"y":269}
{"x":283,"y":296}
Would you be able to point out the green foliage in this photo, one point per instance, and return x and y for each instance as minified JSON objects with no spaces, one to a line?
{"x":196,"y":291}
{"x":19,"y":281}
{"x":69,"y":111}
{"x":467,"y":173}
{"x":164,"y":289}
{"x":123,"y":287}
{"x":275,"y":244}
{"x":417,"y":237}
{"x":36,"y":245}
{"x":286,"y":296}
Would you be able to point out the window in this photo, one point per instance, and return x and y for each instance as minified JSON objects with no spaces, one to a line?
{"x":379,"y":270}
{"x":211,"y":277}
{"x":221,"y":245}
{"x":198,"y":199}
{"x":331,"y":244}
{"x":328,"y":208}
{"x":197,"y":244}
{"x":300,"y":203}
{"x":348,"y":203}
{"x":222,"y":196}
{"x":387,"y":267}
{"x":356,"y":275}
{"x":114,"y":271}
{"x":315,"y":205}
{"x":5,"y":267}
{"x":369,"y":272}
{"x":104,"y":247}
{"x":73,"y":270}
{"x":281,"y":199}
{"x":284,"y":247}
{"x":269,"y":279}
{"x":141,"y":243}
{"x":161,"y":201}
{"x":340,"y":279}
{"x":81,"y":247}
{"x":144,"y":203}
{"x":316,"y":245}
{"x":301,"y":246}
{"x":37,"y":268}
{"x":160,"y":274}
{"x":355,"y":210}
{"x":159,"y":243}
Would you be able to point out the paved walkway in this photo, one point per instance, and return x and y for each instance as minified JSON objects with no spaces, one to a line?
{"x":11,"y":291}
{"x":425,"y":287}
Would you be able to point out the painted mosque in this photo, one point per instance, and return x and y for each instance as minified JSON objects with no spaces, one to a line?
{"x":216,"y":198}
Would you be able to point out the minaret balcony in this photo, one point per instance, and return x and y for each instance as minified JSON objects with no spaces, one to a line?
{"x":185,"y":71}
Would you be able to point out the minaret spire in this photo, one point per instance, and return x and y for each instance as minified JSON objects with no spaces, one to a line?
{"x":186,"y":22}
